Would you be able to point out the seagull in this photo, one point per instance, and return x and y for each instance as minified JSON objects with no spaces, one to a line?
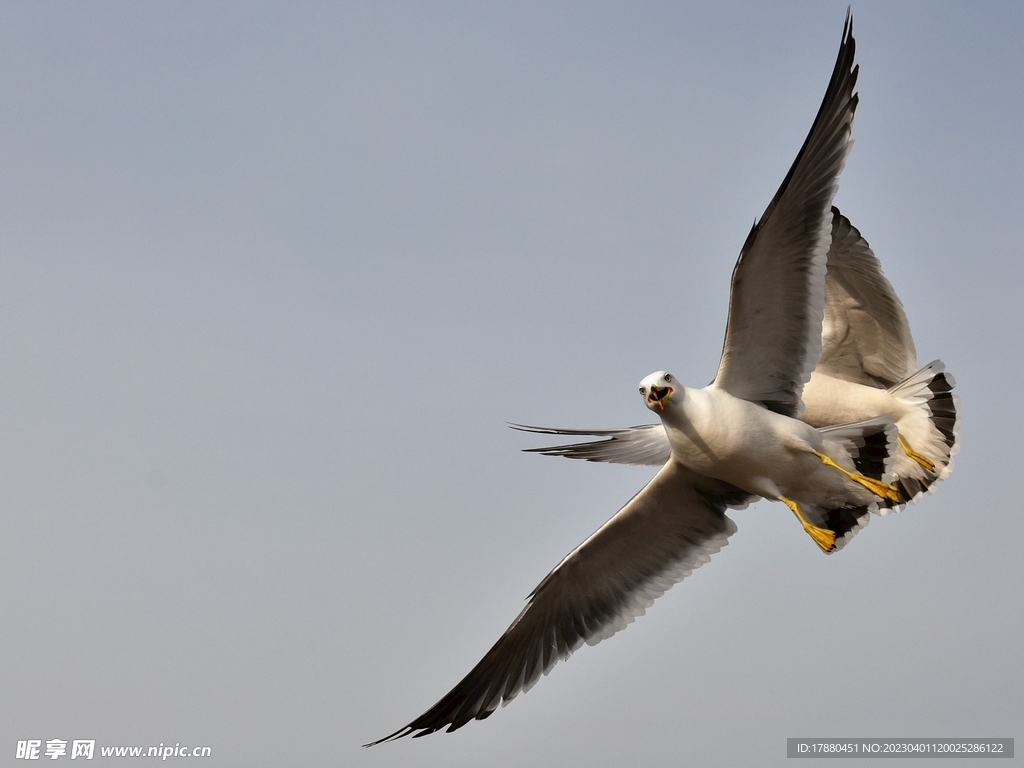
{"x":731,"y":442}
{"x":867,"y":368}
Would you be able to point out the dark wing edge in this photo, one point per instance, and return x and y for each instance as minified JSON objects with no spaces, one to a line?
{"x":645,"y":445}
{"x":773,"y":333}
{"x":669,"y":529}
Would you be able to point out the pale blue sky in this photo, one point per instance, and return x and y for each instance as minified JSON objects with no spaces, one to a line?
{"x":274,"y":276}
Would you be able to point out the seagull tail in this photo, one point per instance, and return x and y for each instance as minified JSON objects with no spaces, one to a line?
{"x":928,"y":430}
{"x":872,"y":447}
{"x":844,"y":522}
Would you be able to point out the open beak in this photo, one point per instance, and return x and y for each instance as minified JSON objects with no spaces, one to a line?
{"x":658,"y":396}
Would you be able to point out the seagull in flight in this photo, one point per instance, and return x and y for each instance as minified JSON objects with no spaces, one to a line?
{"x":730,"y":442}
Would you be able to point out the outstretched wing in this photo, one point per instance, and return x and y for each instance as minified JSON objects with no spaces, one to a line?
{"x":865,"y":337}
{"x":773,"y":336}
{"x":666,"y":531}
{"x":645,"y":445}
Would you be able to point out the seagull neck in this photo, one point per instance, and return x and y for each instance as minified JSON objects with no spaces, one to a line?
{"x":683,"y":406}
{"x":690,"y":423}
{"x":693,"y":409}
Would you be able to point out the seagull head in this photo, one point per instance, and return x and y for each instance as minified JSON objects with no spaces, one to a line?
{"x":657,"y":388}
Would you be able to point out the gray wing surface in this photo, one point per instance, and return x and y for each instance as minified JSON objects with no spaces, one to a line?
{"x":646,"y":445}
{"x":667,"y":530}
{"x":773,"y":335}
{"x":865,"y":336}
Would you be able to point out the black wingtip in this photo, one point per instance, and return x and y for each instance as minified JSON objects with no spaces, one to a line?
{"x":400,"y":733}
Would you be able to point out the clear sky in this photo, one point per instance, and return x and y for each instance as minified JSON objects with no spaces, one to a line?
{"x":274,"y":276}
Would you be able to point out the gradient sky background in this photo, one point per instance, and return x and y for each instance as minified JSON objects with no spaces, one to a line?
{"x":275,"y":276}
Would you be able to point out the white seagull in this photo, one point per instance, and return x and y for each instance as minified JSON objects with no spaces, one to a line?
{"x":731,"y":441}
{"x":867,"y":368}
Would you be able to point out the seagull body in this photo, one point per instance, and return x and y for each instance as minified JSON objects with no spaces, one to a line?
{"x":757,"y":450}
{"x":832,"y":400}
{"x":729,"y":443}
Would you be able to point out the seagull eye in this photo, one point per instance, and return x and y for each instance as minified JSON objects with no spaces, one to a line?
{"x":643,"y":391}
{"x":668,"y":377}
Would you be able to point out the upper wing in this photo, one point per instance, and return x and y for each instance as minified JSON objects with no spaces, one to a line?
{"x":773,"y":336}
{"x":645,"y":445}
{"x":865,"y":337}
{"x":666,"y":531}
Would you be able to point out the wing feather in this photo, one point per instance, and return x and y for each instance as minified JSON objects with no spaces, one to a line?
{"x":865,"y":336}
{"x":646,"y":445}
{"x":667,"y":530}
{"x":773,"y":335}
